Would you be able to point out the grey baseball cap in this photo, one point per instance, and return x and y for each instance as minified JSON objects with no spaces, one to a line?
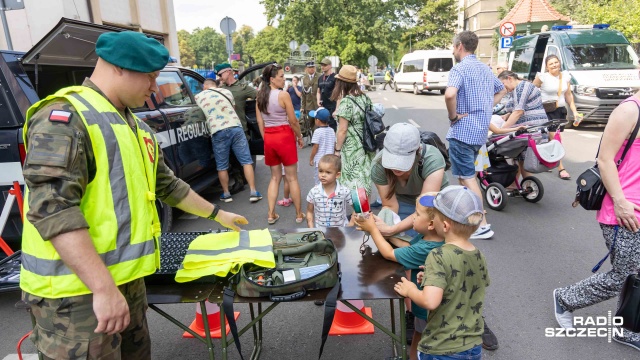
{"x":400,"y":146}
{"x":458,"y":203}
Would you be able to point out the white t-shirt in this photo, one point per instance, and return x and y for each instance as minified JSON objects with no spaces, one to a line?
{"x":330,"y":210}
{"x":549,"y":87}
{"x":325,"y":137}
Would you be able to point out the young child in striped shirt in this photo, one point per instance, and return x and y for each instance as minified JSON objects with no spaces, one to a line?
{"x":323,"y":140}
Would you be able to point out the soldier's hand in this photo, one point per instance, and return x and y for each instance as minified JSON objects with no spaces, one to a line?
{"x":112,"y":311}
{"x":229,"y":220}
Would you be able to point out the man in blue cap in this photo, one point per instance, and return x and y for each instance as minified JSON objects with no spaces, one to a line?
{"x":241,"y":92}
{"x":93,"y":172}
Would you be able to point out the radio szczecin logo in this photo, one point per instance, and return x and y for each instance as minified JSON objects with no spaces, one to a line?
{"x":590,"y":326}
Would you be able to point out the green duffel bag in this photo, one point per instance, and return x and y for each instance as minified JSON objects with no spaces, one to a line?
{"x":305,"y":261}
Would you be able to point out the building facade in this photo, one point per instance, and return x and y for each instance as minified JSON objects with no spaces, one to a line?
{"x":480,"y":16}
{"x":29,"y":25}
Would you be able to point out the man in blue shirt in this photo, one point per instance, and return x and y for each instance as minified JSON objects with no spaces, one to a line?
{"x":295,"y":91}
{"x":471,"y":93}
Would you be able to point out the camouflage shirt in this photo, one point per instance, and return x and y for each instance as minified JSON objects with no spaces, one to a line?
{"x":57,"y":188}
{"x":241,"y":92}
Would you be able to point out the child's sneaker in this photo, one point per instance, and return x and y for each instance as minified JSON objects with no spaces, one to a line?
{"x":285,"y":202}
{"x":226,"y":198}
{"x":483,"y":233}
{"x":255,"y":197}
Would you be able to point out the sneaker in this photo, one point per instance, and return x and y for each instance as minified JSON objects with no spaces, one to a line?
{"x":255,"y":197}
{"x":226,"y":198}
{"x":489,"y":339}
{"x":483,"y":233}
{"x":563,"y":317}
{"x":318,"y":302}
{"x":409,"y":318}
{"x":623,"y":341}
{"x":285,"y":202}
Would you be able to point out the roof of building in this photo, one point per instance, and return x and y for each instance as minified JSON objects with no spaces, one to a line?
{"x":528,"y":11}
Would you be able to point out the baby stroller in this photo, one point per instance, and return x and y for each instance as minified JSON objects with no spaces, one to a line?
{"x":529,"y":142}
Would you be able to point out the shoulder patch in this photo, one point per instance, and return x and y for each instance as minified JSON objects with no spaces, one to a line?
{"x":60,"y":116}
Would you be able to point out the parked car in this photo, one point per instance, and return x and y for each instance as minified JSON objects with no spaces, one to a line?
{"x":424,"y":70}
{"x":378,"y":77}
{"x":65,"y":57}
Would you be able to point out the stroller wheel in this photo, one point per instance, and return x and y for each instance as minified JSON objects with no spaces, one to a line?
{"x":495,"y":196}
{"x":533,"y":189}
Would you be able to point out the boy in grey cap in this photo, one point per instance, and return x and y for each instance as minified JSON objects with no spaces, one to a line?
{"x":454,"y":279}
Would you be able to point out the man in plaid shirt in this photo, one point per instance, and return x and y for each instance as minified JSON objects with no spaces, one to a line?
{"x":471,"y":93}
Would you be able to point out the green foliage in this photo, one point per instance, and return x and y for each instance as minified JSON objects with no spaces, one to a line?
{"x":268,"y":45}
{"x":187,"y":55}
{"x":436,"y":24}
{"x":208,"y":46}
{"x":504,"y":10}
{"x":240,"y":40}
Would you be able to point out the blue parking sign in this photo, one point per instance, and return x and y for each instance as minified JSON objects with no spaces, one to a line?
{"x":506,"y":42}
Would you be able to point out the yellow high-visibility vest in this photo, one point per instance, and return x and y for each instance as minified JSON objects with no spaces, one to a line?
{"x":219,"y":254}
{"x":118,"y":204}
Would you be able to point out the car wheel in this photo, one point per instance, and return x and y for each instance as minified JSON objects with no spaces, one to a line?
{"x":442,"y":91}
{"x":165,"y":213}
{"x":395,"y":87}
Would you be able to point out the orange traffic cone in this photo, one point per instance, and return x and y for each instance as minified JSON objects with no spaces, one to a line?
{"x":348,"y":322}
{"x":213,"y":317}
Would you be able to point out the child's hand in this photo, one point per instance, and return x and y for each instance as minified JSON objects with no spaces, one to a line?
{"x":420,"y":275}
{"x":311,"y":163}
{"x":365,"y":223}
{"x":404,"y":287}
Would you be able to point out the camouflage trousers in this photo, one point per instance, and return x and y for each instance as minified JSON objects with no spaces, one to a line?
{"x":65,"y":327}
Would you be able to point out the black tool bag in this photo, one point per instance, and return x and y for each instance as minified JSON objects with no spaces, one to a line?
{"x":305,"y":261}
{"x":629,"y":307}
{"x":591,"y":190}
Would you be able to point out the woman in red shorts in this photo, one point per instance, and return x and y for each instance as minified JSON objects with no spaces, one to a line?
{"x":280,"y":131}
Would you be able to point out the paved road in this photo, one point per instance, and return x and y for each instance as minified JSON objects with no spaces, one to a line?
{"x":537,"y":247}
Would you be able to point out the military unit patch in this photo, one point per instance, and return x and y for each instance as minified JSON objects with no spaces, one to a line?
{"x":60,"y":116}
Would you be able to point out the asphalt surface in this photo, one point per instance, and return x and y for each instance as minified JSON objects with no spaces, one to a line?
{"x":536,"y":248}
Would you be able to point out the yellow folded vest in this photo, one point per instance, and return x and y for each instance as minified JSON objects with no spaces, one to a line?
{"x":219,"y":254}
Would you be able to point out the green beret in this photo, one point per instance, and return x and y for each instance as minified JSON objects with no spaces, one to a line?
{"x":132,"y":50}
{"x":222,"y":67}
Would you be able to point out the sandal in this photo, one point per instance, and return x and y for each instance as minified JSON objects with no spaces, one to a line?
{"x":285,"y":202}
{"x":272,"y":221}
{"x":568,"y":177}
{"x":300,"y":219}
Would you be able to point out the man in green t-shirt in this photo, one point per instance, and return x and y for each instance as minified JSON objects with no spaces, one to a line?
{"x":454,"y":280}
{"x":241,"y":92}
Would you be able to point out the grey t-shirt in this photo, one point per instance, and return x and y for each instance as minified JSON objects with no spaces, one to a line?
{"x":432,"y":161}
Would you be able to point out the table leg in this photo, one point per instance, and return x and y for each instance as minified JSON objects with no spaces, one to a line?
{"x":403,"y":330}
{"x":394,"y":343}
{"x":223,"y":333}
{"x":207,"y":331}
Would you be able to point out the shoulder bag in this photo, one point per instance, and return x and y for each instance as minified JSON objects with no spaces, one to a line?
{"x":551,"y":106}
{"x":591,"y":190}
{"x":629,"y":308}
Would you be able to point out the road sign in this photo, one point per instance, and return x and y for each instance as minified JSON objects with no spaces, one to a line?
{"x":507,"y":29}
{"x":234,"y":57}
{"x":227,"y":26}
{"x":293,"y":45}
{"x":372,"y":60}
{"x":506,"y":42}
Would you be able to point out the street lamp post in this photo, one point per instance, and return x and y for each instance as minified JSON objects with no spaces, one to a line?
{"x":5,"y":26}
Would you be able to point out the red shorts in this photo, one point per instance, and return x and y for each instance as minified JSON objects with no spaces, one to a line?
{"x":280,"y":146}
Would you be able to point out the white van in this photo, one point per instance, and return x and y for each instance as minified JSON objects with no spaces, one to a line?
{"x":424,"y":70}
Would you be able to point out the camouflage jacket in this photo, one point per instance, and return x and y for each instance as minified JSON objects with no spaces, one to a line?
{"x":56,"y":190}
{"x":309,"y":99}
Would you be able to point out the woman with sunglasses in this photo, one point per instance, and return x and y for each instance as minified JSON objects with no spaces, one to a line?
{"x":281,"y":131}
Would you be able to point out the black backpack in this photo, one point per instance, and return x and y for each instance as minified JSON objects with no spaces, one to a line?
{"x":374,"y":129}
{"x":431,"y":138}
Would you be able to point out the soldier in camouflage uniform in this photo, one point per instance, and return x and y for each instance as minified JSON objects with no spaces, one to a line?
{"x":110,"y":321}
{"x":241,"y":92}
{"x":309,"y":100}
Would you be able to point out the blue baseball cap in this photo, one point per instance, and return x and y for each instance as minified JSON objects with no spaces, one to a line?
{"x":321,"y":114}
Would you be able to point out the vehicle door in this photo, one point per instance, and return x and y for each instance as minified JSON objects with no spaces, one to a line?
{"x":187,"y":129}
{"x":437,"y":69}
{"x":521,"y":59}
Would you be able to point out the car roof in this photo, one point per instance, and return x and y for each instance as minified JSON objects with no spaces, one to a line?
{"x":423,"y":54}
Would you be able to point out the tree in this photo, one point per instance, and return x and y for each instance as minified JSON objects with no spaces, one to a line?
{"x":240,"y":40}
{"x":208,"y":46}
{"x":436,"y":24}
{"x":187,"y":55}
{"x":268,"y":45}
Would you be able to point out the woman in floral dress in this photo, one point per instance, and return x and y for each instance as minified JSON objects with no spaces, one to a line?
{"x":356,"y":162}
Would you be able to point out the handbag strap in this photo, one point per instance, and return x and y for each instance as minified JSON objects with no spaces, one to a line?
{"x":632,"y":138}
{"x":559,"y":88}
{"x":613,"y":245}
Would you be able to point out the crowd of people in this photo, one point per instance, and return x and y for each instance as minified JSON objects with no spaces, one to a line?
{"x":429,"y":221}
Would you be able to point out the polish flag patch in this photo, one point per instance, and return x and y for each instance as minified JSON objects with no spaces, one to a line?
{"x":60,"y":116}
